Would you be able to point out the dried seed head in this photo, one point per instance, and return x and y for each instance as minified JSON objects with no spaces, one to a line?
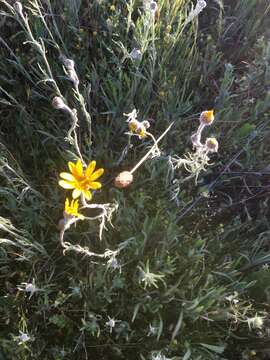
{"x":18,"y":7}
{"x":207,"y":117}
{"x":58,"y":103}
{"x":211,"y":144}
{"x":123,"y":180}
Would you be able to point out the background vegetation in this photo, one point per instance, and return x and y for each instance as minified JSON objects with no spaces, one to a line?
{"x":209,"y":242}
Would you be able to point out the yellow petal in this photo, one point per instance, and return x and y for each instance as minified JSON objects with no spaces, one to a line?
{"x":66,"y":184}
{"x":76,"y":205}
{"x":95,"y":185}
{"x":71,"y":166}
{"x":97,"y":174}
{"x":79,"y":168}
{"x":66,"y":204}
{"x":87,"y":194}
{"x":90,"y":168}
{"x":76,"y":193}
{"x":67,"y":176}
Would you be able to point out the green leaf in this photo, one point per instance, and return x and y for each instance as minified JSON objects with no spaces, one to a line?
{"x":217,"y":349}
{"x":245,"y":130}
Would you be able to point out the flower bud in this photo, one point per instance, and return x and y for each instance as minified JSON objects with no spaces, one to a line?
{"x":69,"y":64}
{"x":146,"y":124}
{"x":135,"y":54}
{"x":207,"y":117}
{"x":73,"y":77}
{"x":18,"y":7}
{"x":201,"y":4}
{"x":211,"y":144}
{"x":123,"y":180}
{"x":153,"y":7}
{"x":58,"y":103}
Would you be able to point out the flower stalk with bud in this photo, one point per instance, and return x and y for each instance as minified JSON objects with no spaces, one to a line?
{"x":125,"y":178}
{"x":197,"y":161}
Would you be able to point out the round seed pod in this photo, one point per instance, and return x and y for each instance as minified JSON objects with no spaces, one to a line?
{"x":207,"y":117}
{"x":123,"y":179}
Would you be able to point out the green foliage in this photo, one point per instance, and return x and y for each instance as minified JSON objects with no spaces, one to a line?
{"x":191,"y":265}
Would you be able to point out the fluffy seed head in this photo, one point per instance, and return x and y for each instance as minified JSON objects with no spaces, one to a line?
{"x":207,"y":117}
{"x":211,"y":144}
{"x":123,"y":180}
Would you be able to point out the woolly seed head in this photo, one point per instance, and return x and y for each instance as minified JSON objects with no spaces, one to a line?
{"x":124,"y":179}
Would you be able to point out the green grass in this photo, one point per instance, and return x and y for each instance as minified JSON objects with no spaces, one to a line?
{"x":184,"y":248}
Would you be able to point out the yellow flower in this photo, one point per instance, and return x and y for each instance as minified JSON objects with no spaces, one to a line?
{"x":73,"y":208}
{"x":133,"y":125}
{"x":142,"y":132}
{"x":137,"y":128}
{"x":82,"y":181}
{"x":207,"y":117}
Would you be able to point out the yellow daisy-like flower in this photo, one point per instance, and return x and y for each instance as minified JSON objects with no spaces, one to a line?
{"x":82,"y":181}
{"x":72,"y":208}
{"x":207,"y":117}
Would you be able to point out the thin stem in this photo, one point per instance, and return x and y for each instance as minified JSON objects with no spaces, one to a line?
{"x":40,"y":48}
{"x":151,"y":150}
{"x":85,"y":112}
